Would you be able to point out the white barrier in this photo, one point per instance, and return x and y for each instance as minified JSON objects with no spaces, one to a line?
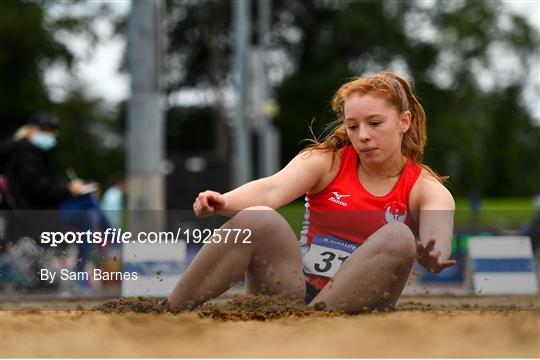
{"x":158,"y":268}
{"x":501,"y":265}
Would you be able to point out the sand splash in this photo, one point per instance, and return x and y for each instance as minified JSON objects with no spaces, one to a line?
{"x":260,"y":307}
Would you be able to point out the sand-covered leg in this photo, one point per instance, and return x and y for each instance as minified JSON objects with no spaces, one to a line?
{"x":374,"y":275}
{"x":270,"y":258}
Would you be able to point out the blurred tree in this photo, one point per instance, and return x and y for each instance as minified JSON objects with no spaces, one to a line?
{"x":485,"y":128}
{"x":198,"y":63}
{"x":25,"y":48}
{"x":328,"y":43}
{"x":459,"y":53}
{"x":89,"y":139}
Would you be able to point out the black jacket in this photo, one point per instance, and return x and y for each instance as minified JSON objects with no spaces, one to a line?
{"x":31,"y":176}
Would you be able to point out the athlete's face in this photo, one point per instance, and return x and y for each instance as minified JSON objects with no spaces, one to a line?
{"x":375,"y":127}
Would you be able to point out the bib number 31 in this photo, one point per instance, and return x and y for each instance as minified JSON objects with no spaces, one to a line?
{"x":327,"y":254}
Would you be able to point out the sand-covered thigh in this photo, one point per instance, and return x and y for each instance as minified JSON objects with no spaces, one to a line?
{"x":439,"y":332}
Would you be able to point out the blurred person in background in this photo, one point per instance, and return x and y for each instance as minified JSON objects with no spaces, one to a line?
{"x":368,"y":198}
{"x":113,"y":205}
{"x":29,"y":169}
{"x":536,"y":201}
{"x":112,"y":201}
{"x":30,"y":181}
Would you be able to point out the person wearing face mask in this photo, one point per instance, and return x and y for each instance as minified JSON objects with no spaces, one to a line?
{"x":28,"y":177}
{"x":29,"y":167}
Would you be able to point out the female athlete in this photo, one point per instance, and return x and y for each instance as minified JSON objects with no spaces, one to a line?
{"x":372,"y":207}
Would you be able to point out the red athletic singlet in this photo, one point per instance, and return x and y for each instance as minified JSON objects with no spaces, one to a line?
{"x":343,"y":215}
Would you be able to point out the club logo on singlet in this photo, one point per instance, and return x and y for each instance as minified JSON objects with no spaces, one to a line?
{"x":395,"y":211}
{"x":337,"y":198}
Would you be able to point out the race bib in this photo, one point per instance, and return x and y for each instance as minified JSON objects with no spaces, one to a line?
{"x":327,"y":254}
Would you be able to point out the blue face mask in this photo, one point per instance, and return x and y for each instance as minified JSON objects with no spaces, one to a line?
{"x":43,"y":140}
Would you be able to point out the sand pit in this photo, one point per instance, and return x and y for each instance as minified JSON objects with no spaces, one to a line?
{"x":262,"y":308}
{"x":421,"y":327}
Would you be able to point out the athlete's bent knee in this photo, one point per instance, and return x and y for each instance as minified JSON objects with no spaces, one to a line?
{"x":398,"y":240}
{"x":260,"y":220}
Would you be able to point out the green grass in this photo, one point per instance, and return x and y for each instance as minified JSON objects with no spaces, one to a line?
{"x":499,"y":204}
{"x":498,"y":213}
{"x":294,"y":214}
{"x":495,"y":213}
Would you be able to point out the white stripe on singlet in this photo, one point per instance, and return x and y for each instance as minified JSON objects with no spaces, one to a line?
{"x":305,"y":228}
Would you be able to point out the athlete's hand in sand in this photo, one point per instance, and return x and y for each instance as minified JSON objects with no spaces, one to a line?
{"x":208,"y":203}
{"x":431,"y":258}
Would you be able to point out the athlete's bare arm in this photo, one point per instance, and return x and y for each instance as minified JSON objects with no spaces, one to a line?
{"x":434,"y":208}
{"x":304,"y":173}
